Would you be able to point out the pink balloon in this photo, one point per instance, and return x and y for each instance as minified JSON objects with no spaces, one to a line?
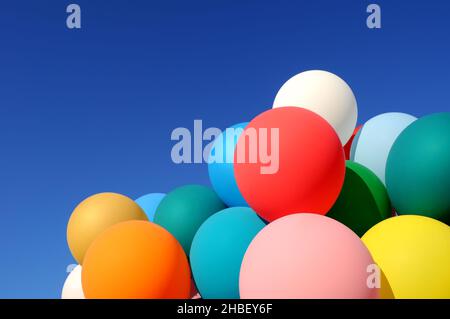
{"x":306,"y":256}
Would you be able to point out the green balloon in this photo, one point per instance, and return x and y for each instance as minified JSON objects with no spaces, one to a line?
{"x":363,"y":201}
{"x":183,"y":210}
{"x":418,"y":168}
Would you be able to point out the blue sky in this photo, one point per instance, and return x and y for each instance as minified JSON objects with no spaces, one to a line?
{"x":92,"y":110}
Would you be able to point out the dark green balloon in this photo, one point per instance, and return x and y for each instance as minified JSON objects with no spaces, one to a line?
{"x":418,"y":168}
{"x":363,"y":201}
{"x":183,"y":210}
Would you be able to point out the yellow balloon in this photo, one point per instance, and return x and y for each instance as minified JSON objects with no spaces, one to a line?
{"x":94,"y":215}
{"x":413,"y":253}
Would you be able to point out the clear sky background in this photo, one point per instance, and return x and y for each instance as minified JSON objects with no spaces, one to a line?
{"x":92,"y":110}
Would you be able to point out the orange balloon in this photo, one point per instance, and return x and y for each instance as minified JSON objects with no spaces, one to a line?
{"x":136,"y":260}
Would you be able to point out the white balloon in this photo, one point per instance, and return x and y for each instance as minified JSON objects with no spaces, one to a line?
{"x":72,"y":286}
{"x":325,"y":94}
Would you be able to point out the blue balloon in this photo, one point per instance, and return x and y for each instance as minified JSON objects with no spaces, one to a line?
{"x":220,"y":166}
{"x":149,"y":203}
{"x":218,"y":249}
{"x":374,"y":141}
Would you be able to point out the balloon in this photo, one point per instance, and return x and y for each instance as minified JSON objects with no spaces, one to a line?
{"x":373,"y":142}
{"x":72,"y":288}
{"x":149,"y":203}
{"x":221,"y":173}
{"x":325,"y":94}
{"x":218,"y":249}
{"x":184,"y":209}
{"x":136,"y":260}
{"x":306,"y":256}
{"x":348,"y":146}
{"x":414,"y":254}
{"x":309,"y":159}
{"x":363,"y":201}
{"x":418,"y":168}
{"x":94,"y":215}
{"x":194,"y":291}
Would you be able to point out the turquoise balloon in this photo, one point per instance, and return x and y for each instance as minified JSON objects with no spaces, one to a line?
{"x":218,"y":249}
{"x":221,"y":173}
{"x":374,"y":140}
{"x":418,"y":168}
{"x":149,"y":203}
{"x":183,"y":211}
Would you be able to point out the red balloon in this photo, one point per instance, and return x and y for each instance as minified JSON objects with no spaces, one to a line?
{"x":311,"y":163}
{"x":348,"y":146}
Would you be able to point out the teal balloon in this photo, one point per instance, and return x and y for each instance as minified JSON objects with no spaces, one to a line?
{"x":183,"y":210}
{"x":418,"y":168}
{"x":149,"y":203}
{"x":218,"y":249}
{"x":221,"y":171}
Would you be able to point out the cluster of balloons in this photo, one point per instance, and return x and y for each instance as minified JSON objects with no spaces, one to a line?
{"x":352,"y":212}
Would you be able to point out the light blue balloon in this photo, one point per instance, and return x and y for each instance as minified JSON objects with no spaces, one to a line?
{"x":374,"y":140}
{"x":218,"y":249}
{"x":149,"y":203}
{"x":221,"y":172}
